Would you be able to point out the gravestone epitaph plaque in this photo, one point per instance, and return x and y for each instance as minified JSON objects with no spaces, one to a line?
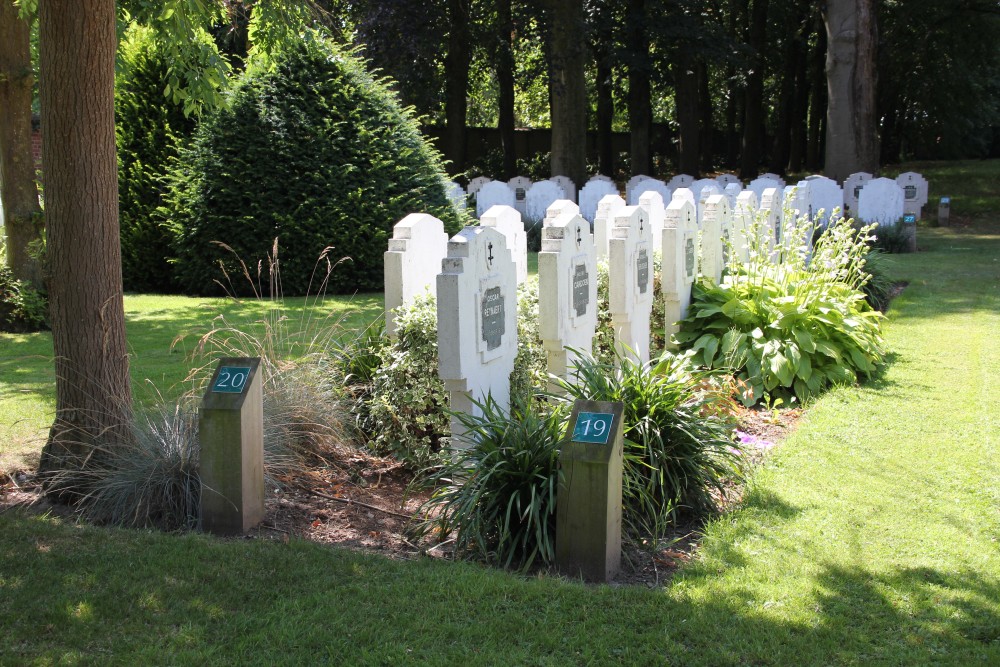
{"x":494,"y":318}
{"x":642,"y":270}
{"x":581,"y":289}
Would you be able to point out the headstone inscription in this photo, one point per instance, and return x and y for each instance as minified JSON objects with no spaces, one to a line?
{"x":540,"y":196}
{"x":881,"y":201}
{"x":519,"y":186}
{"x":591,"y":195}
{"x":914,"y":192}
{"x":604,"y":220}
{"x":507,"y":221}
{"x":494,"y":193}
{"x":477,"y":322}
{"x":680,"y":261}
{"x":852,"y":190}
{"x":412,"y":262}
{"x":630,"y":279}
{"x":567,"y":291}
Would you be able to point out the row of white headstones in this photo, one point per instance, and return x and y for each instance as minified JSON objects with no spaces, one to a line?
{"x":475,"y":277}
{"x":862,"y":195}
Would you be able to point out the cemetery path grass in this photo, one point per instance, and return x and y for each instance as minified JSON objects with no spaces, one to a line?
{"x":871,"y":536}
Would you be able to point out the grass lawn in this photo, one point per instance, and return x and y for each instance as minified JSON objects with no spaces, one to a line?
{"x":871,"y":536}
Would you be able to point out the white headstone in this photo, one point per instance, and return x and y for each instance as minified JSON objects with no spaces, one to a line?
{"x":607,"y":209}
{"x":456,"y":194}
{"x":680,"y":262}
{"x":494,"y":193}
{"x":477,"y":322}
{"x":649,"y":185}
{"x":708,"y":188}
{"x":684,"y":194}
{"x":630,"y":280}
{"x":758,"y":185}
{"x":632,"y":182}
{"x":557,"y":208}
{"x":519,"y":186}
{"x":914,"y":191}
{"x":716,"y":223}
{"x":852,"y":190}
{"x":567,"y":185}
{"x":591,"y":194}
{"x":826,"y":195}
{"x":507,"y":221}
{"x":476,"y":184}
{"x":728,"y":179}
{"x":770,"y":211}
{"x":652,"y":202}
{"x":601,"y":177}
{"x":538,"y":199}
{"x":774,"y":177}
{"x":412,"y":262}
{"x":744,"y":215}
{"x":680,"y":181}
{"x":732,"y":191}
{"x":881,"y":201}
{"x":567,"y":291}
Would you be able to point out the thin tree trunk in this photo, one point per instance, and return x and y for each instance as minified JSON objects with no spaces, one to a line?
{"x":851,"y":131}
{"x":18,"y":192}
{"x":568,"y":90}
{"x":686,"y":103}
{"x":640,"y":111}
{"x":93,"y":396}
{"x":753,"y":120}
{"x":800,"y":103}
{"x":605,"y":114}
{"x":705,"y":122}
{"x":457,"y":81}
{"x":817,"y":98}
{"x":505,"y":83}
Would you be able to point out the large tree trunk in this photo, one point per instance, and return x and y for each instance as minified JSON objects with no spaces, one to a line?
{"x":605,"y":114}
{"x":505,"y":83}
{"x":705,"y":115}
{"x":568,"y":90}
{"x":686,"y":103}
{"x":851,"y":130}
{"x":640,"y":110}
{"x":753,"y":120}
{"x":18,"y":192}
{"x":93,"y":396}
{"x":800,"y":103}
{"x":817,"y":98}
{"x":457,"y":81}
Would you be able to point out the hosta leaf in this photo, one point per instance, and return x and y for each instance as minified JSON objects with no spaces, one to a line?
{"x":804,"y":339}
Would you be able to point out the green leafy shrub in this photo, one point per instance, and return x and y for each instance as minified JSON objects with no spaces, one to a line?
{"x":530,"y":375}
{"x":879,"y":286}
{"x":498,"y":492}
{"x":313,"y":150}
{"x":678,"y":429}
{"x":150,"y":130}
{"x":22,"y":308}
{"x":790,"y":326}
{"x":892,"y":239}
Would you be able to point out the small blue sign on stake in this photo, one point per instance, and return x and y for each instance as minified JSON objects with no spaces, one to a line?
{"x":910,"y":218}
{"x":593,"y":427}
{"x":231,"y":379}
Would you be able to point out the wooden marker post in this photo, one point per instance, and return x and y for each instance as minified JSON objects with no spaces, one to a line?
{"x":910,"y":230}
{"x":944,"y":212}
{"x":231,"y":431}
{"x":589,"y":504}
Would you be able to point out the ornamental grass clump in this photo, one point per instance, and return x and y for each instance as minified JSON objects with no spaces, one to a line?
{"x":680,"y":453}
{"x":793,"y":319}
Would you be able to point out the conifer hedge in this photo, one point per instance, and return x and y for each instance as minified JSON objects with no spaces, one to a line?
{"x":313,"y":151}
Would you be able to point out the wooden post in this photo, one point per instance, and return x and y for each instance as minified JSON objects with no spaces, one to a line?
{"x":944,"y":212}
{"x":589,"y":504}
{"x":231,"y":433}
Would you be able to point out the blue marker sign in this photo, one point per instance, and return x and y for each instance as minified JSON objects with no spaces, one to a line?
{"x":593,"y":427}
{"x":231,"y":379}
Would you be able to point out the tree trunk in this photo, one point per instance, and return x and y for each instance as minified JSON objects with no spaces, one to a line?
{"x":505,"y":83}
{"x":640,"y":110}
{"x":457,"y":81}
{"x":851,"y":136}
{"x":817,"y":98}
{"x":753,"y":120}
{"x":800,"y":103}
{"x":568,"y":90}
{"x":93,"y":395}
{"x":705,"y":118}
{"x":18,"y":192}
{"x":686,"y":102}
{"x":605,"y":114}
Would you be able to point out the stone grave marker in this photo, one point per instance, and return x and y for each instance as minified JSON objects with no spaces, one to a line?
{"x":540,"y":196}
{"x":881,"y":201}
{"x":456,"y":195}
{"x":591,"y":195}
{"x":770,"y":211}
{"x":680,"y":261}
{"x":774,"y":177}
{"x":601,"y":177}
{"x":652,"y":202}
{"x":727,"y":179}
{"x":914,"y":192}
{"x":630,"y":278}
{"x":732,"y":191}
{"x":680,"y":181}
{"x":759,"y":184}
{"x":744,"y":215}
{"x":709,"y":188}
{"x":567,"y":185}
{"x":649,"y":185}
{"x":507,"y":221}
{"x":557,"y":208}
{"x":476,"y":184}
{"x":632,"y":182}
{"x":519,"y":185}
{"x":494,"y":193}
{"x":716,"y":227}
{"x":684,"y":194}
{"x":412,"y":262}
{"x":477,"y":322}
{"x":827,"y":196}
{"x":607,"y":209}
{"x":852,"y":190}
{"x":567,"y":291}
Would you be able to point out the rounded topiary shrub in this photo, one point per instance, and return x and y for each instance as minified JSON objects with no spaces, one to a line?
{"x":311,"y":151}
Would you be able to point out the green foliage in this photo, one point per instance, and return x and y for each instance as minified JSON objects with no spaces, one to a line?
{"x":790,"y":326}
{"x":22,"y":308}
{"x":498,"y":492}
{"x":679,"y":445}
{"x":150,"y":131}
{"x":530,"y":373}
{"x":314,"y":151}
{"x":407,"y":408}
{"x":892,"y":239}
{"x":878,"y":288}
{"x":604,"y":336}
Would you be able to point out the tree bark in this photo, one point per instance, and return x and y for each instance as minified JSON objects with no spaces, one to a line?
{"x":800,"y":103}
{"x":93,"y":395}
{"x":753,"y":120}
{"x":817,"y":98}
{"x":457,"y":81}
{"x":640,"y":110}
{"x":505,"y":83}
{"x":686,"y":103}
{"x":605,"y":114}
{"x":568,"y":90}
{"x":18,"y":191}
{"x":851,"y":131}
{"x":705,"y":120}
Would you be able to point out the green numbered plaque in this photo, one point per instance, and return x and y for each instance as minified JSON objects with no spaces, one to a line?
{"x":593,"y":427}
{"x":231,"y":379}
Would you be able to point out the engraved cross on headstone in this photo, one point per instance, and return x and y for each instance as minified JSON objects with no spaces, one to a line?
{"x":489,"y":258}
